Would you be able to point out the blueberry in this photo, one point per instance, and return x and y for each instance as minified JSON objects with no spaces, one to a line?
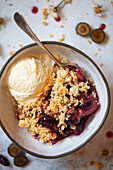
{"x":72,"y":116}
{"x":68,"y":86}
{"x":46,"y":121}
{"x":80,"y":127}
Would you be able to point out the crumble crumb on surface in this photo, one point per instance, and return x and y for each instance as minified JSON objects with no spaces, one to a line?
{"x":100,"y":64}
{"x":13,"y":46}
{"x":98,"y":165}
{"x":61,"y":39}
{"x":45,"y":13}
{"x":62,"y":26}
{"x":96,"y":54}
{"x":50,"y":35}
{"x":89,"y":41}
{"x":10,"y":4}
{"x":111,"y":2}
{"x":68,"y":1}
{"x":20,"y":45}
{"x":73,"y":167}
{"x":1,"y":20}
{"x":85,"y":165}
{"x":11,"y":52}
{"x":44,"y":23}
{"x":8,"y":45}
{"x":99,"y":49}
{"x":81,"y":153}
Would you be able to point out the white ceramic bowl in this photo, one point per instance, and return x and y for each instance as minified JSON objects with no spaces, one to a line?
{"x":21,"y":137}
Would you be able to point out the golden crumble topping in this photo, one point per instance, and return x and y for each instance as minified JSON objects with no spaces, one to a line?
{"x":61,"y":94}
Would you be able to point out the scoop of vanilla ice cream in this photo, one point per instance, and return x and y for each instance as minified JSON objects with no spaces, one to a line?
{"x":28,"y":77}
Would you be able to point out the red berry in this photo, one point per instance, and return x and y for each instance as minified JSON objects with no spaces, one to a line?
{"x":109,"y":134}
{"x":57,"y":19}
{"x":102,"y":26}
{"x":34,"y":9}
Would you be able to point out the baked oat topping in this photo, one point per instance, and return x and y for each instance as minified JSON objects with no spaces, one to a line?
{"x":63,"y":107}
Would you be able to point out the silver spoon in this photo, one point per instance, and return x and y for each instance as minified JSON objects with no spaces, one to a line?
{"x":19,"y":19}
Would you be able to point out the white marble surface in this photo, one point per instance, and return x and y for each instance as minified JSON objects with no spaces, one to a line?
{"x":79,"y":10}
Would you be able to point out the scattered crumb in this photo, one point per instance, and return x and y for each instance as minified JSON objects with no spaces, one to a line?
{"x":95,"y":54}
{"x":100,"y":64}
{"x":111,"y":2}
{"x":65,"y":19}
{"x":99,"y":56}
{"x":81,"y":153}
{"x":13,"y":46}
{"x":62,"y":26}
{"x":44,"y":23}
{"x":98,"y":165}
{"x":92,"y":163}
{"x":20,"y":45}
{"x":50,"y":35}
{"x":99,"y":49}
{"x":85,"y":165}
{"x":11,"y":52}
{"x":1,"y":20}
{"x":45,"y":13}
{"x":89,"y":41}
{"x":61,"y":39}
{"x":68,"y":1}
{"x":104,"y":152}
{"x":73,"y":167}
{"x":8,"y":45}
{"x":10,"y":4}
{"x":99,"y":10}
{"x":47,"y":0}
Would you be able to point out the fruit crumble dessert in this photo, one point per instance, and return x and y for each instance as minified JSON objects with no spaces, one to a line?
{"x":51,"y":102}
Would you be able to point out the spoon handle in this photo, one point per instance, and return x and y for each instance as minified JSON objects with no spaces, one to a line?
{"x":20,"y":21}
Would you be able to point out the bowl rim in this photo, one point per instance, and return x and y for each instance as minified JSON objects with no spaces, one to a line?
{"x":106,"y":112}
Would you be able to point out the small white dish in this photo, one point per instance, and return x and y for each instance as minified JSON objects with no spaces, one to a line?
{"x":21,"y":137}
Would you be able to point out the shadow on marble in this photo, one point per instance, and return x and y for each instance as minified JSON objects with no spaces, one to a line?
{"x":1,"y":52}
{"x":106,"y":40}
